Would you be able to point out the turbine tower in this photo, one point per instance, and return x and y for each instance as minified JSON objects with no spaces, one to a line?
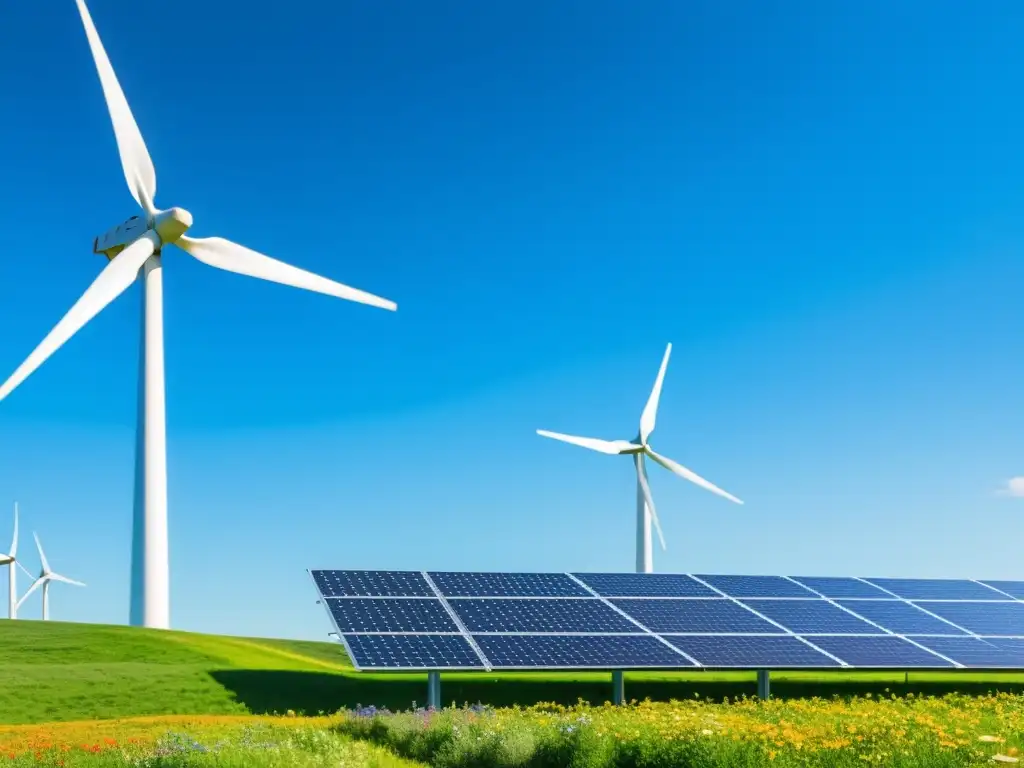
{"x":640,"y":449}
{"x":46,"y":577}
{"x":10,"y":559}
{"x":134,"y":250}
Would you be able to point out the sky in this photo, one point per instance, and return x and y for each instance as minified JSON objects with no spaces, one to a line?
{"x":819,"y":204}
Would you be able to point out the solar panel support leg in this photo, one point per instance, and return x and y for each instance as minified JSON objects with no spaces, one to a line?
{"x":763,"y":684}
{"x":434,"y":690}
{"x":618,"y":688}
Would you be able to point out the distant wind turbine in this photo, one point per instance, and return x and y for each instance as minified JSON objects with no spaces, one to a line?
{"x":10,"y":559}
{"x":640,"y":449}
{"x":46,"y":577}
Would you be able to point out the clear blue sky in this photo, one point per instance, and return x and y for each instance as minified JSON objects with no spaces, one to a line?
{"x":820,"y":206}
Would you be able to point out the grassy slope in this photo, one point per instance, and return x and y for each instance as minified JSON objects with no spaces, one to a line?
{"x":52,"y":671}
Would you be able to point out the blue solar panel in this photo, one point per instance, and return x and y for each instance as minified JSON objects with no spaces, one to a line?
{"x":715,"y":615}
{"x":372,"y":584}
{"x":1005,"y":619}
{"x":750,"y":651}
{"x":756,"y":586}
{"x":457,"y":584}
{"x":1014,"y":589}
{"x":524,"y":615}
{"x":840,"y":587}
{"x":809,"y":616}
{"x":900,"y":617}
{"x":395,"y":614}
{"x":972,"y":652}
{"x":645,"y":585}
{"x":878,"y":652}
{"x":578,"y":651}
{"x":412,"y":651}
{"x":937,"y":589}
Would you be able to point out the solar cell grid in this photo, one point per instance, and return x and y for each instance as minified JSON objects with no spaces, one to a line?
{"x":981,"y":618}
{"x":937,"y":589}
{"x":588,"y":615}
{"x":840,"y":587}
{"x":372,"y":584}
{"x":711,"y":615}
{"x":645,"y":585}
{"x":884,"y":651}
{"x":578,"y":651}
{"x":390,"y":615}
{"x":412,"y":652}
{"x":482,"y":584}
{"x":1014,"y":589}
{"x":756,"y":586}
{"x":900,"y":617}
{"x":750,"y":651}
{"x":810,"y":616}
{"x":972,"y":652}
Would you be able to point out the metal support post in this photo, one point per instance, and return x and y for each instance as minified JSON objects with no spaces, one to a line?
{"x":434,"y":690}
{"x":763,"y":684}
{"x":618,"y":688}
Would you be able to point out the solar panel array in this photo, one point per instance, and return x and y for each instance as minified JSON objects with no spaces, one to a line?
{"x":427,"y":620}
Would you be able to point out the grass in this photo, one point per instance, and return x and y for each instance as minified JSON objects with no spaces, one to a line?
{"x":51,"y":671}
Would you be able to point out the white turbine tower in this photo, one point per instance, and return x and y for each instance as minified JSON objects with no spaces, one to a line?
{"x":640,"y":449}
{"x":134,"y":250}
{"x":46,"y":577}
{"x":10,"y":559}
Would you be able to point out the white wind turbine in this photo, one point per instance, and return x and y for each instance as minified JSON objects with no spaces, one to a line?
{"x":134,"y":250}
{"x":10,"y":559}
{"x":640,"y":449}
{"x":46,"y":577}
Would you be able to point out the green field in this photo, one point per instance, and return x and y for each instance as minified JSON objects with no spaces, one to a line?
{"x":51,"y":671}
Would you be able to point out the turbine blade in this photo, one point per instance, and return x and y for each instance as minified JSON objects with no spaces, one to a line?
{"x":65,"y":580}
{"x":650,"y":414}
{"x":135,"y":160}
{"x":14,"y":542}
{"x":35,"y":585}
{"x":26,"y":571}
{"x":641,"y":476}
{"x":604,"y":446}
{"x":231,"y":257}
{"x":111,"y":283}
{"x":42,"y":555}
{"x":693,"y":477}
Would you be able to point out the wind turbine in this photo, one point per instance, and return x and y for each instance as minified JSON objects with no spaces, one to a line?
{"x":46,"y":577}
{"x":134,"y":250}
{"x":10,"y":559}
{"x":640,"y":449}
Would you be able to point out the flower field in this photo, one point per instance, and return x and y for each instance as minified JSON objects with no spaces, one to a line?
{"x":906,"y":732}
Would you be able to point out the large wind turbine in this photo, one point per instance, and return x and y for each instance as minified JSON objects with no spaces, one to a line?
{"x":134,"y":250}
{"x":46,"y":577}
{"x":640,"y":449}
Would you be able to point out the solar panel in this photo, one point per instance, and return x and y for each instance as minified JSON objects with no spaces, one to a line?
{"x":840,"y":587}
{"x":697,"y":616}
{"x":578,"y":651}
{"x":457,"y":584}
{"x":645,"y":585}
{"x":454,"y":620}
{"x":756,"y":586}
{"x":359,"y":614}
{"x":810,"y":616}
{"x":900,"y":617}
{"x":412,"y":652}
{"x":885,"y":651}
{"x":751,"y":651}
{"x":526,"y":615}
{"x":372,"y":584}
{"x":1013,"y":589}
{"x":938,"y":589}
{"x":1005,"y":619}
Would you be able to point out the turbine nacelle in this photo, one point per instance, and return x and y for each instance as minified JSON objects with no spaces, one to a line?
{"x":169,"y":226}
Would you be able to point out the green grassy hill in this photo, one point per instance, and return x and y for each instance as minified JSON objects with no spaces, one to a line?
{"x":51,"y":671}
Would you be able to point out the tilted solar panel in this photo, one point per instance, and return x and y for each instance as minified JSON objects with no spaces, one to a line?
{"x":453,"y":620}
